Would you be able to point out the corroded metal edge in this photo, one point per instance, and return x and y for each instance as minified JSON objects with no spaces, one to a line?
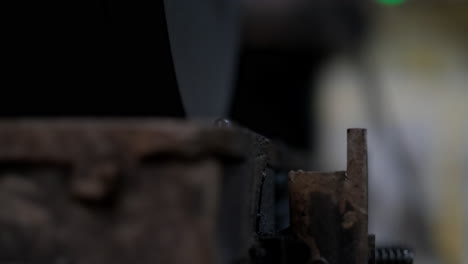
{"x":329,"y":210}
{"x":66,"y":140}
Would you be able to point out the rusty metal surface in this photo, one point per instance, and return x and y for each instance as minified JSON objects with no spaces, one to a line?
{"x":143,"y":191}
{"x":357,"y":188}
{"x":165,"y":207}
{"x":70,"y":140}
{"x":166,"y":191}
{"x":329,"y":210}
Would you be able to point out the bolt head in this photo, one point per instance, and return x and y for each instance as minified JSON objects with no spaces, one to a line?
{"x":223,"y":123}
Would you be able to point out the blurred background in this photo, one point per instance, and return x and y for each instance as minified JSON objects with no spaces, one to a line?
{"x":398,"y":68}
{"x":415,"y":59}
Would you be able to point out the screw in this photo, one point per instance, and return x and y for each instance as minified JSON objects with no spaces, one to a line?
{"x":223,"y":123}
{"x":393,"y":256}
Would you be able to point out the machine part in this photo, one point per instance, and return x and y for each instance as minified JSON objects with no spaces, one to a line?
{"x":105,"y":191}
{"x":394,"y":256}
{"x":223,"y":123}
{"x":329,"y":210}
{"x":173,"y":192}
{"x":388,"y":255}
{"x":116,"y":191}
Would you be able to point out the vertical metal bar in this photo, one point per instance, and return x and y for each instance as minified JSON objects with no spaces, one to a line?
{"x":356,"y":185}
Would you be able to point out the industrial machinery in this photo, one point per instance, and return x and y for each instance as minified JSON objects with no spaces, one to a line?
{"x":168,"y":191}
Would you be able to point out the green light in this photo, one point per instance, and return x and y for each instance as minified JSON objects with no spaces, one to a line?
{"x":391,"y":2}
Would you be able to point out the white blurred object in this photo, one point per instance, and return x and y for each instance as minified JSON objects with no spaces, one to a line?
{"x":420,"y":61}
